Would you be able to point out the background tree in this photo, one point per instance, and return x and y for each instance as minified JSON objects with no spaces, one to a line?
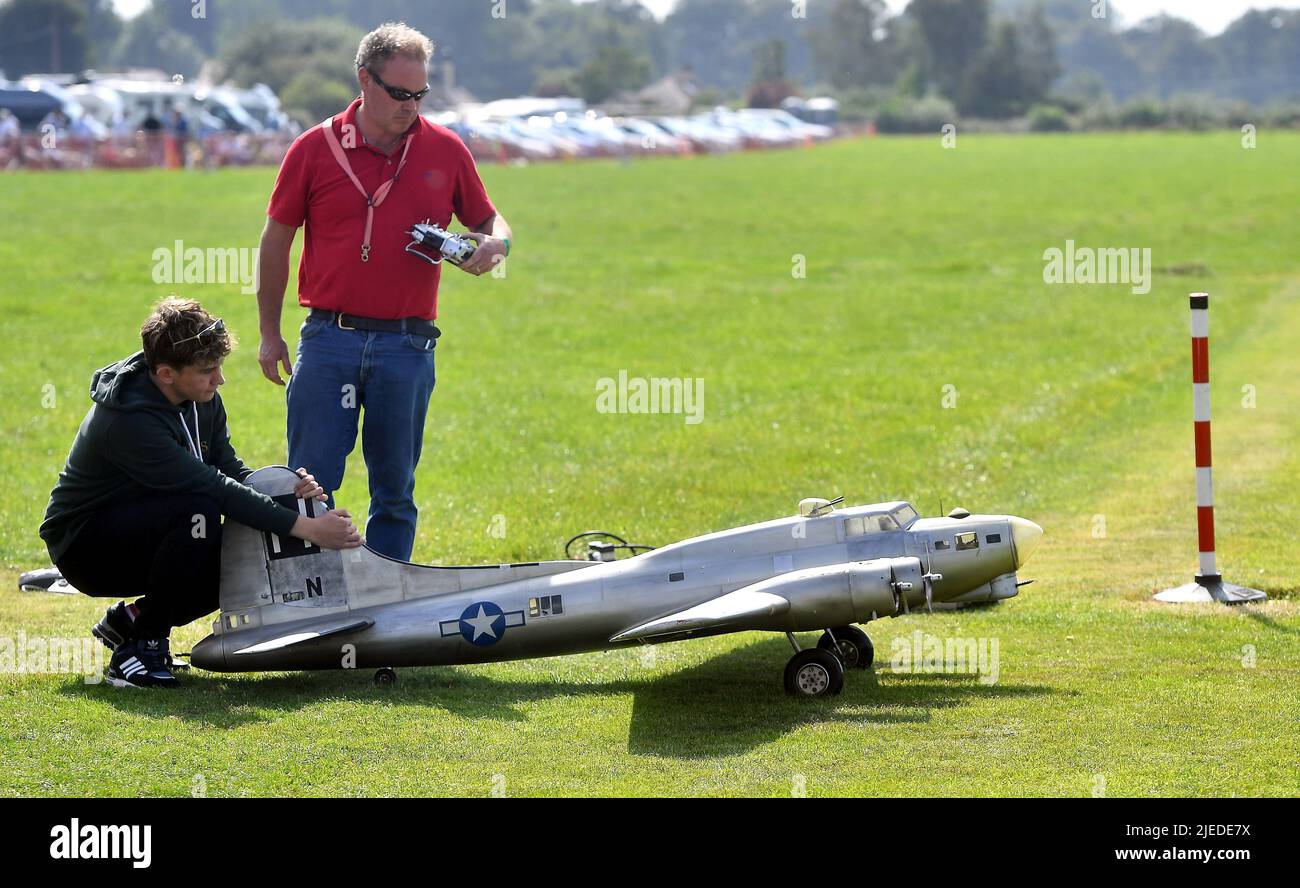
{"x":551,"y":82}
{"x":770,"y":85}
{"x":277,"y":53}
{"x":956,"y":33}
{"x":564,"y":42}
{"x":1038,"y":50}
{"x":768,"y":20}
{"x":614,"y":67}
{"x":309,"y":99}
{"x":998,"y":83}
{"x":196,"y":20}
{"x":44,"y":36}
{"x":707,"y":37}
{"x":491,"y":52}
{"x":854,"y":47}
{"x":1015,"y":70}
{"x":1174,"y":55}
{"x":769,"y":61}
{"x":147,"y":41}
{"x":103,"y":29}
{"x":1259,"y":55}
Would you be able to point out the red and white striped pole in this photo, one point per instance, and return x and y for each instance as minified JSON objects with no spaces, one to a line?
{"x":1201,"y":419}
{"x":1208,"y":584}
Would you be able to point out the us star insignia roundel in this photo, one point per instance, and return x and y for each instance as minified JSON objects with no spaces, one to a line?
{"x":482,"y":623}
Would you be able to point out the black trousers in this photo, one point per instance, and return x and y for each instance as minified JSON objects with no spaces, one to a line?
{"x":166,"y":548}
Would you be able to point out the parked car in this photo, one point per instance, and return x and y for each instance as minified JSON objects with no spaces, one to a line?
{"x":616,"y":140}
{"x":703,"y":137}
{"x":653,"y":139}
{"x":545,"y":128}
{"x":516,"y":144}
{"x":754,"y":132}
{"x":787,"y":121}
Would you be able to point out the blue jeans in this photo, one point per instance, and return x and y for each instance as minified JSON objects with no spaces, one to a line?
{"x":391,"y":375}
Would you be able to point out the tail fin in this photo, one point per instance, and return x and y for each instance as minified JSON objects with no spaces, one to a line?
{"x":260,"y":569}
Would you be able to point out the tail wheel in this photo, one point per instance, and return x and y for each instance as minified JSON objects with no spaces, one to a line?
{"x":852,"y":646}
{"x":814,"y":673}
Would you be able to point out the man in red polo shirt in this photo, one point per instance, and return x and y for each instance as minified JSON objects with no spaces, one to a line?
{"x":369,"y":338}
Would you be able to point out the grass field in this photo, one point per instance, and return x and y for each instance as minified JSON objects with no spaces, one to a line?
{"x":923,"y":270}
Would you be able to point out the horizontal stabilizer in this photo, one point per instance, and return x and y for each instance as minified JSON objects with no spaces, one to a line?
{"x":307,"y":633}
{"x":725,"y":610}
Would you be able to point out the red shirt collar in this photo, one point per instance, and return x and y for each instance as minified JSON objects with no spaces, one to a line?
{"x":350,"y":119}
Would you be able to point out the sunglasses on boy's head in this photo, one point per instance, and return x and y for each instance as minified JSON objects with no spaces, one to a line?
{"x":216,"y":328}
{"x":397,"y":93}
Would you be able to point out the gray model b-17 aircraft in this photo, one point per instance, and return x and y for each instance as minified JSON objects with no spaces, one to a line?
{"x":288,"y":605}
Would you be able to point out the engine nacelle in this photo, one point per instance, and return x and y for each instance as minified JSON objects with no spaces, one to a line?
{"x":839,"y":594}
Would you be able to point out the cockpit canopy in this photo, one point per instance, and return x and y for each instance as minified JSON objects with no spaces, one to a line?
{"x":880,"y":519}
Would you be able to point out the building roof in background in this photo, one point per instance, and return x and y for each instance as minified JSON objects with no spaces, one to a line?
{"x":673,"y":94}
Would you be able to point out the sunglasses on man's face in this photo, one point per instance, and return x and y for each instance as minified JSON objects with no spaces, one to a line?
{"x":216,"y":328}
{"x":401,"y":95}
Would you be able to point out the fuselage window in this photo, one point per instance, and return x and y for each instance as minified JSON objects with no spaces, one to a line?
{"x":941,"y":544}
{"x":967,"y":541}
{"x":993,"y":538}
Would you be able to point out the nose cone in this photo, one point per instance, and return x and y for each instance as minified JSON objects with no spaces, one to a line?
{"x":1025,"y":536}
{"x":210,"y":653}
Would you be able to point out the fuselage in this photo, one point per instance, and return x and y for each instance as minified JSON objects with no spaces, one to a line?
{"x":423,"y":615}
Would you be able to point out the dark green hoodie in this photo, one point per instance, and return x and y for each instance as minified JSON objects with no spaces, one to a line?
{"x":132,"y":445}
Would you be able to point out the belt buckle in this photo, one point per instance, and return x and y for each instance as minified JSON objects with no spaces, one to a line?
{"x":338,"y":319}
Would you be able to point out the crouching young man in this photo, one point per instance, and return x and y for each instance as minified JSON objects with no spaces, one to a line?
{"x":137,"y":509}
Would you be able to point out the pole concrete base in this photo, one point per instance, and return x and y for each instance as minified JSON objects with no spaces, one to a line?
{"x":1211,"y":588}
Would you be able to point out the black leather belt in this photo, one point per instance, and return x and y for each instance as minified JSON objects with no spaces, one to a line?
{"x":418,"y":326}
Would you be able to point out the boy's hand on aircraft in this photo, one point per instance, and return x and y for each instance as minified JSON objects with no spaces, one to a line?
{"x":307,"y":487}
{"x":335,"y":530}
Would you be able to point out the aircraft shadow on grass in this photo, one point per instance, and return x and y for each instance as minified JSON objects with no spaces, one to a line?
{"x":729,"y":704}
{"x":726,"y":705}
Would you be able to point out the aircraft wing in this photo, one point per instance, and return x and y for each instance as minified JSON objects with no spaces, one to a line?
{"x":309,"y":632}
{"x":731,"y":609}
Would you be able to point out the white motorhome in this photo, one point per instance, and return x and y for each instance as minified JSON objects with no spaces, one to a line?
{"x":142,"y":99}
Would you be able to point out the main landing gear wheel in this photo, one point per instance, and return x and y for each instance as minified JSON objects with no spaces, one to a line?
{"x":385,"y":678}
{"x":814,"y":673}
{"x":852,"y":644}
